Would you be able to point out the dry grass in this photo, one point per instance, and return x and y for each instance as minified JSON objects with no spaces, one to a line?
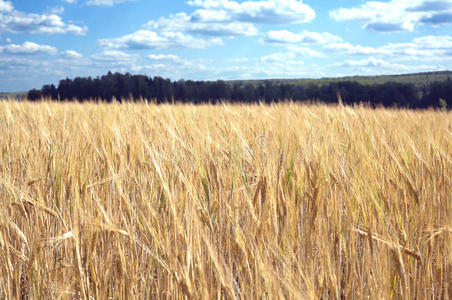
{"x":231,"y":201}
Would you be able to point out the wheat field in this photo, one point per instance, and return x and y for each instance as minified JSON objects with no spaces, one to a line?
{"x":282,"y":201}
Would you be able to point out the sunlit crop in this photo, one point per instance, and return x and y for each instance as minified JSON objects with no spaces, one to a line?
{"x":145,"y":201}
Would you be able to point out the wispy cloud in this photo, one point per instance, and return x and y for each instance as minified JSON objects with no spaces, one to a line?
{"x":103,"y":2}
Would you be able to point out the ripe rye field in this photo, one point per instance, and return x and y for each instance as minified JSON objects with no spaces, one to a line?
{"x":137,"y":201}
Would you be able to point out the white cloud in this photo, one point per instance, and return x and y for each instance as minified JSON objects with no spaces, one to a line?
{"x":369,"y":62}
{"x":375,"y":66}
{"x":266,"y":12}
{"x":348,"y":48}
{"x":305,"y":37}
{"x":209,"y":23}
{"x":71,"y":54}
{"x":113,"y":56}
{"x":434,"y":42}
{"x":164,"y":57}
{"x":289,"y":63}
{"x":277,"y":57}
{"x":213,"y":21}
{"x":276,"y":65}
{"x":192,"y":70}
{"x":305,"y":52}
{"x":5,"y":6}
{"x":104,"y":2}
{"x":397,"y":15}
{"x":28,"y":48}
{"x":146,"y":39}
{"x":175,"y":67}
{"x":56,"y":10}
{"x":238,"y":60}
{"x":70,"y":1}
{"x":426,"y":47}
{"x":209,"y":15}
{"x":15,"y":21}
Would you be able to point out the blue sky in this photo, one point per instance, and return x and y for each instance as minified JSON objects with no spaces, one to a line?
{"x":45,"y":41}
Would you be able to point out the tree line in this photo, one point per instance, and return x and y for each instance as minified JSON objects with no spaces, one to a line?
{"x":135,"y":87}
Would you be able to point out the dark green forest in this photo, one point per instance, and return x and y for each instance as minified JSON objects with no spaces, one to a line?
{"x":399,"y":92}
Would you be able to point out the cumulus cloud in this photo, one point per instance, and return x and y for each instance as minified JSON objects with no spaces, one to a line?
{"x":382,"y":66}
{"x":348,"y":48}
{"x":430,"y":6}
{"x":305,"y":52}
{"x":14,"y":21}
{"x":164,"y":57}
{"x":5,"y":6}
{"x":305,"y":37}
{"x":275,"y":65}
{"x":208,"y":23}
{"x":212,"y":21}
{"x":278,"y":57}
{"x":28,"y":48}
{"x":368,"y":62}
{"x":113,"y":56}
{"x":146,"y":39}
{"x":438,"y":18}
{"x":266,"y":12}
{"x":186,"y":69}
{"x":426,"y":47}
{"x":71,"y":54}
{"x":397,"y":15}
